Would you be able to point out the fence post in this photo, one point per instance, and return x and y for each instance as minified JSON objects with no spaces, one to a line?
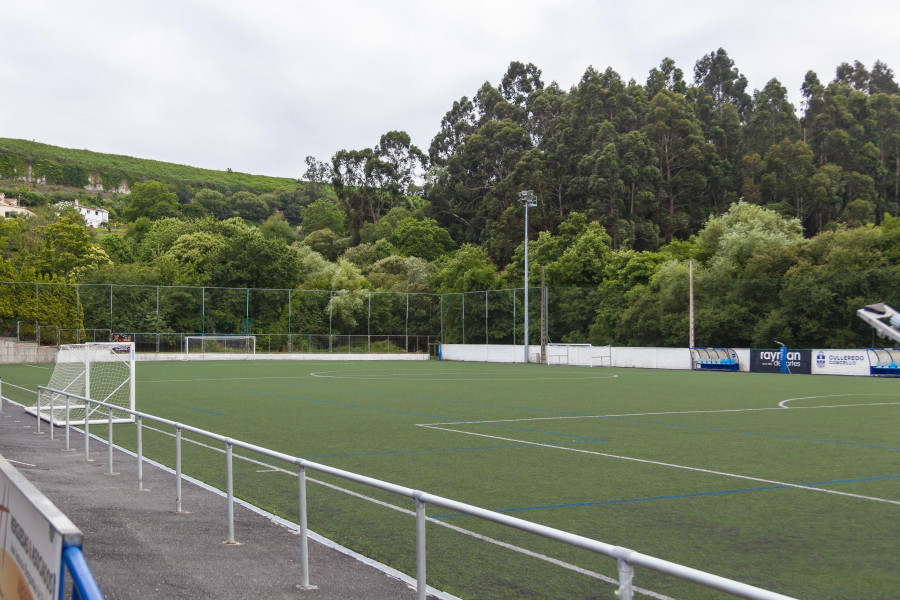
{"x":1,"y":394}
{"x":229,"y":476}
{"x":140,"y":454}
{"x":304,"y":541}
{"x":513,"y":291}
{"x":178,"y":469}
{"x":421,"y":587}
{"x":109,"y":441}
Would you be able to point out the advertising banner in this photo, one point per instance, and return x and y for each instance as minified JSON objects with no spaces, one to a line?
{"x":769,"y":361}
{"x":840,"y":362}
{"x":32,"y":542}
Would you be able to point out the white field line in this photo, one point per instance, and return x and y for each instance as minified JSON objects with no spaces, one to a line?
{"x":670,"y":465}
{"x":784,"y":402}
{"x":478,"y":536}
{"x":18,"y":387}
{"x":680,"y":412}
{"x":193,"y":379}
{"x":401,"y":377}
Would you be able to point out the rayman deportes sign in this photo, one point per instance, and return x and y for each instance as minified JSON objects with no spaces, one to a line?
{"x":769,"y":361}
{"x":840,"y":362}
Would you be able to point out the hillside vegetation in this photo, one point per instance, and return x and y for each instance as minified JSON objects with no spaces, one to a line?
{"x":72,"y":168}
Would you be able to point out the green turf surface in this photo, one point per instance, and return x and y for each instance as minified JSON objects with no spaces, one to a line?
{"x":686,"y":466}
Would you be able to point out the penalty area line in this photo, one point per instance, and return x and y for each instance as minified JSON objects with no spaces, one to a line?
{"x":674,"y":466}
{"x":678,"y":412}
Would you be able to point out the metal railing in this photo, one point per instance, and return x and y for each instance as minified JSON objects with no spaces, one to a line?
{"x":84,"y":586}
{"x":626,"y":559}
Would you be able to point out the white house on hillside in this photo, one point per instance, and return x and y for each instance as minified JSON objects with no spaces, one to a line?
{"x":94,"y":217}
{"x":9,"y":207}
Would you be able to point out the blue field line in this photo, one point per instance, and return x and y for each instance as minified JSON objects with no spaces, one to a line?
{"x":415,"y":414}
{"x":771,"y":435}
{"x":208,"y":411}
{"x":673,"y":497}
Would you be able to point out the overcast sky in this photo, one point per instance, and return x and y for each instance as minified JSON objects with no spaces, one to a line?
{"x":257,"y":86}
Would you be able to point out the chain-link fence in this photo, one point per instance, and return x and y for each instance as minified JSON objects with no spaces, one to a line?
{"x":157,"y":318}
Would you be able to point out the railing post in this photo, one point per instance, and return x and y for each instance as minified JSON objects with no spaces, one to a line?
{"x":1,"y":394}
{"x":304,"y":541}
{"x":87,"y":434}
{"x":229,"y":476}
{"x":67,"y":423}
{"x":109,"y":440}
{"x":140,"y":454}
{"x":626,"y":575}
{"x":52,"y":403}
{"x":421,"y":587}
{"x":37,"y":412}
{"x":178,"y":469}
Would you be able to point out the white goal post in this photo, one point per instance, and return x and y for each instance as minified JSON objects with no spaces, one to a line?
{"x":102,"y":371}
{"x":237,"y":344}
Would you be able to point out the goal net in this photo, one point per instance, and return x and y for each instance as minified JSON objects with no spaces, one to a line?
{"x":102,"y":371}
{"x":585,"y":355}
{"x":237,"y":344}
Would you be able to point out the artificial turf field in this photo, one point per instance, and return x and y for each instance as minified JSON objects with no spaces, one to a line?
{"x":790,"y":483}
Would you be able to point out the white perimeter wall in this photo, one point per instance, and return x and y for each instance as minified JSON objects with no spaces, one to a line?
{"x":824,"y":362}
{"x":645,"y":358}
{"x":12,"y":352}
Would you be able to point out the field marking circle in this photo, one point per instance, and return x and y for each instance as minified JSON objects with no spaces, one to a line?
{"x":353,"y":374}
{"x":783,"y":403}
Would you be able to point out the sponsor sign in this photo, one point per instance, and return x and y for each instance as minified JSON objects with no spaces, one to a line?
{"x":840,"y":362}
{"x":769,"y":361}
{"x":31,"y":556}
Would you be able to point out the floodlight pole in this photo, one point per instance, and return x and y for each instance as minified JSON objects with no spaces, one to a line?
{"x":526,"y":197}
{"x":691,"y":308}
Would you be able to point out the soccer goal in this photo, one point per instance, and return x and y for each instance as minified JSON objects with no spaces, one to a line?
{"x":559,"y":353}
{"x":102,"y":371}
{"x":236,"y":344}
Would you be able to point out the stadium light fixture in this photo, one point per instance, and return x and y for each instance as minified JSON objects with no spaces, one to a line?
{"x":527,"y":198}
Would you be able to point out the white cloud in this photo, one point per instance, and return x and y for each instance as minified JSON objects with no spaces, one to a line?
{"x":257,"y":86}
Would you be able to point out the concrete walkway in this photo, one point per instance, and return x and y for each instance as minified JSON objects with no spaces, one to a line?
{"x":138,"y":547}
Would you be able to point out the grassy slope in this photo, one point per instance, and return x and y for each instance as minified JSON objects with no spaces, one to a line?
{"x":141,"y":168}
